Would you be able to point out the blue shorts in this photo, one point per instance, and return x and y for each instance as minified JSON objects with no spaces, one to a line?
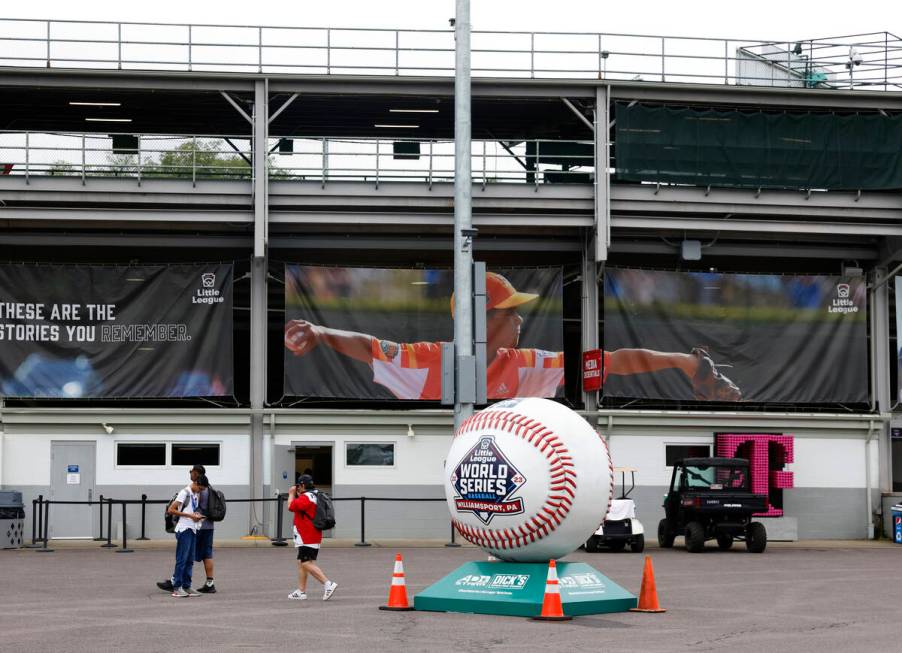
{"x":203,"y":547}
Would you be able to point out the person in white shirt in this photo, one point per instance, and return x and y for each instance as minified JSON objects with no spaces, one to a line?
{"x":186,"y":508}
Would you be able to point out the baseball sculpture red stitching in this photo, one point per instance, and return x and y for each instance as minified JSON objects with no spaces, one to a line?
{"x":527,"y":480}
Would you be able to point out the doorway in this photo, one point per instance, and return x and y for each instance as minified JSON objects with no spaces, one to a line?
{"x":315,"y":460}
{"x":72,"y":466}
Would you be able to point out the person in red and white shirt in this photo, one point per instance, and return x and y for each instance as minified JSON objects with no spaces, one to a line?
{"x":307,"y":538}
{"x":414,"y":370}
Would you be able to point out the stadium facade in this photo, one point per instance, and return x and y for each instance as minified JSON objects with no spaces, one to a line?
{"x":264,"y":148}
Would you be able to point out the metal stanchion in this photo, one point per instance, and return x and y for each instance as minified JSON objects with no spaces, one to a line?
{"x":124,"y":548}
{"x":100,"y":537}
{"x":362,"y":541}
{"x":35,"y":529}
{"x":280,"y":511}
{"x":40,"y":516}
{"x":109,"y":525}
{"x":452,"y":543}
{"x":44,"y":548}
{"x":143,"y":517}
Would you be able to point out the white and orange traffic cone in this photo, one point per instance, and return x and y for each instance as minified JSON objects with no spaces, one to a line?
{"x":648,"y":593}
{"x":552,"y":610}
{"x":397,"y":595}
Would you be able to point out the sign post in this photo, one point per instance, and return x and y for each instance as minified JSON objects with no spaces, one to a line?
{"x":592,"y":372}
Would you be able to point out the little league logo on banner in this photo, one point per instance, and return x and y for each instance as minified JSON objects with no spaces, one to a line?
{"x":484,"y":481}
{"x":116,"y":331}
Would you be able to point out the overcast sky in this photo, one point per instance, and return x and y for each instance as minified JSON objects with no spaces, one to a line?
{"x":788,"y":20}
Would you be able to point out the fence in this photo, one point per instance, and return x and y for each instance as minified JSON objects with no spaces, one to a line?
{"x":90,"y":155}
{"x":857,"y":60}
{"x":324,"y":159}
{"x":40,"y":518}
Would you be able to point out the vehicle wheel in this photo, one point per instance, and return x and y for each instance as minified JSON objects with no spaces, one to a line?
{"x":638,"y":544}
{"x":724,"y":541}
{"x":592,"y":544}
{"x":695,"y":537}
{"x":755,"y":537}
{"x":617,"y":545}
{"x":665,"y":534}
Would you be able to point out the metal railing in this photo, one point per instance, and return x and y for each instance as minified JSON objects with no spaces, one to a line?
{"x":432,"y":161}
{"x":325,"y":159}
{"x":826,"y":62}
{"x":86,"y":155}
{"x":40,"y":518}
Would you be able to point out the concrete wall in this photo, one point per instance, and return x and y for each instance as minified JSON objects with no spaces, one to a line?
{"x":828,"y":500}
{"x":27,"y":467}
{"x":828,"y":497}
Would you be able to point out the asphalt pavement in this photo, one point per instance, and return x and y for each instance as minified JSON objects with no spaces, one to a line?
{"x":802,"y":597}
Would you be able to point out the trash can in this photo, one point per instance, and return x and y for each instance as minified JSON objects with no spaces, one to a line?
{"x":897,"y":523}
{"x":12,"y":519}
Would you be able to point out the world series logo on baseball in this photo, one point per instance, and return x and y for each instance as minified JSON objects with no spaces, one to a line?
{"x":527,"y":480}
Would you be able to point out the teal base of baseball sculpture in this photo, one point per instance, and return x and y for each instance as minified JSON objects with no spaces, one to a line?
{"x":517,"y":589}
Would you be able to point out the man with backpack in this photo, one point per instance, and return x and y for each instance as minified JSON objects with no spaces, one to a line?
{"x":312,"y":514}
{"x":212,"y":506}
{"x":186,"y":508}
{"x":203,"y":546}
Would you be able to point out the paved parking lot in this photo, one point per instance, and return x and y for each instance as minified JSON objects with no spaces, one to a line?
{"x":800,"y":598}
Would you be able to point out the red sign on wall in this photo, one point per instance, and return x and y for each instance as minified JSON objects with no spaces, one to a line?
{"x":592,"y":370}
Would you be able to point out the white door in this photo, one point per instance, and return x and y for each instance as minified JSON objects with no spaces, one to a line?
{"x":71,"y":479}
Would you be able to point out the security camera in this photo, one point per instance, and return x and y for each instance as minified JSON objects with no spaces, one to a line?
{"x":109,"y":429}
{"x":469,"y":233}
{"x":854,"y":58}
{"x":452,"y":21}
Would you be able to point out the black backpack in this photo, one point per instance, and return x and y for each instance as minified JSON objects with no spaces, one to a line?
{"x":169,"y":521}
{"x":324,"y":517}
{"x":216,"y":505}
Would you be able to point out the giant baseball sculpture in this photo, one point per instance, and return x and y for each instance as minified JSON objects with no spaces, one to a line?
{"x":527,"y":480}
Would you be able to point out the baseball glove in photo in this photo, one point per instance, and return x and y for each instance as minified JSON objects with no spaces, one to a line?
{"x":709,"y":384}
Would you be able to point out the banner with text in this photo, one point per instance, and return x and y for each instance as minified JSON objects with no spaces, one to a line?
{"x":368,"y":333}
{"x":713,"y":336}
{"x":116,"y":332}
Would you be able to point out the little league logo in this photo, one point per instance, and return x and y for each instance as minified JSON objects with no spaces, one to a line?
{"x":484,"y":481}
{"x":208,"y":279}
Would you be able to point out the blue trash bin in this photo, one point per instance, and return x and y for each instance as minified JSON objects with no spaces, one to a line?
{"x":897,"y":523}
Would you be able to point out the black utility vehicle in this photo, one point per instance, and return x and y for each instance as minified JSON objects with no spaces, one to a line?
{"x":711,"y":499}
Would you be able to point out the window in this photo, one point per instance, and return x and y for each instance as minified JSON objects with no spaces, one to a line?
{"x":675,"y":452}
{"x":377,"y":455}
{"x":197,"y":453}
{"x":141,"y":454}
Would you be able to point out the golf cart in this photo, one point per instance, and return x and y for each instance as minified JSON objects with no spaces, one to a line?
{"x":620,"y":526}
{"x":710,"y":499}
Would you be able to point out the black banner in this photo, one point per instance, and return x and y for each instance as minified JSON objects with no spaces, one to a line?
{"x":116,"y":332}
{"x":735,"y":337}
{"x":371,"y":333}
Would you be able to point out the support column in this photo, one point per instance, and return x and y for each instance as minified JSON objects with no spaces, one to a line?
{"x":465,"y":362}
{"x":258,"y":316}
{"x":589,"y":309}
{"x":602,"y":179}
{"x":880,"y":361}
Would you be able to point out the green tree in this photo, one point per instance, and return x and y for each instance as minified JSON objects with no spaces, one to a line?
{"x":61,"y":168}
{"x":204,"y":158}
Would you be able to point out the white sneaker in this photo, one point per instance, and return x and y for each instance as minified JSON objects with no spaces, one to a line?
{"x":298,"y":595}
{"x":329,"y":590}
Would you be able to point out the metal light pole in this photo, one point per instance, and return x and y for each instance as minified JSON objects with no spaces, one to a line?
{"x":463,"y":221}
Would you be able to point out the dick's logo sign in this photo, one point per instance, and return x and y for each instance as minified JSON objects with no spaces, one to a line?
{"x":484,"y":481}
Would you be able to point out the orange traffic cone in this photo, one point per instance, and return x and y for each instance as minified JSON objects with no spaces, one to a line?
{"x":648,"y":594}
{"x":397,"y":595}
{"x":552,"y":610}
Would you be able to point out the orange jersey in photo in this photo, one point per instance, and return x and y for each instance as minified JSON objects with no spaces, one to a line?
{"x":414,"y":371}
